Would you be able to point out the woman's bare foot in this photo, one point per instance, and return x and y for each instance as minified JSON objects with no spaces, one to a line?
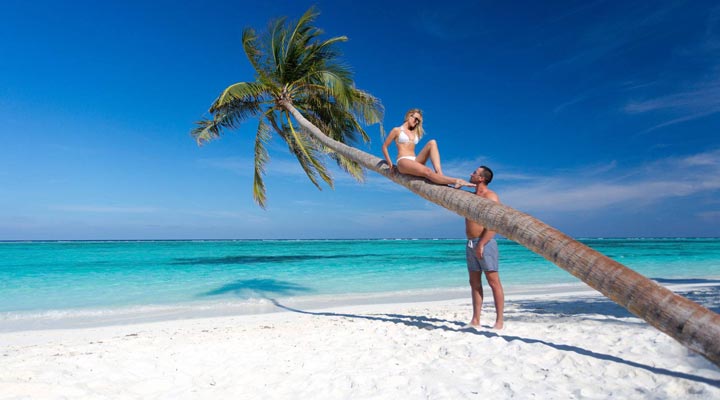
{"x":460,"y":183}
{"x":498,"y":325}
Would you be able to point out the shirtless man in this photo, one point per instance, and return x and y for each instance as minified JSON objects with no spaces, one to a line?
{"x":482,"y":254}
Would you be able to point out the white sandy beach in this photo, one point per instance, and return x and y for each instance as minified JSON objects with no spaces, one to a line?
{"x":562,"y":346}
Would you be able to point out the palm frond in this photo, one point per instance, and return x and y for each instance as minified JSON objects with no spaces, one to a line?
{"x":227,"y":116}
{"x":338,"y":83}
{"x":305,"y":158}
{"x":320,"y":56}
{"x":350,"y":166}
{"x":303,"y":24}
{"x":346,"y":164}
{"x":336,"y":121}
{"x":246,"y":94}
{"x":367,"y":107}
{"x":261,"y":158}
{"x":308,"y":151}
{"x":303,"y":32}
{"x":327,"y":49}
{"x":206,"y":130}
{"x":343,"y":129}
{"x":294,"y":65}
{"x":277,"y":39}
{"x":254,"y":54}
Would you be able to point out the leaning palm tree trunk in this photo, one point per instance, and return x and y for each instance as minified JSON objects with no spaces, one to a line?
{"x":689,"y":323}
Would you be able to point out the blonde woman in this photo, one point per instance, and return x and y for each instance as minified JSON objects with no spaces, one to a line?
{"x":406,"y":136}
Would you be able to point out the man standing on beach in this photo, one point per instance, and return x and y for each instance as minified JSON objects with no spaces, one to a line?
{"x":482,"y":254}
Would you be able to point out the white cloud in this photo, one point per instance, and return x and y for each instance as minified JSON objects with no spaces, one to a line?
{"x":589,"y":188}
{"x":711,"y":158}
{"x":703,"y":98}
{"x":586,"y":190}
{"x":688,"y":117}
{"x":421,"y":219}
{"x":105,"y":209}
{"x":245,"y":216}
{"x":710,"y":215}
{"x":695,"y":99}
{"x":610,"y":36}
{"x":462,"y":168}
{"x":575,"y":100}
{"x":686,"y":105}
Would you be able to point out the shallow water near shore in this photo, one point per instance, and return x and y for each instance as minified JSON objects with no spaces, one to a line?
{"x":42,"y":282}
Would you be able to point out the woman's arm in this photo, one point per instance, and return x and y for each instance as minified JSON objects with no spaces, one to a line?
{"x":390,"y":138}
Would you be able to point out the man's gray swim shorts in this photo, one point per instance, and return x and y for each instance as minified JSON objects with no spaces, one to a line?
{"x":488,"y":263}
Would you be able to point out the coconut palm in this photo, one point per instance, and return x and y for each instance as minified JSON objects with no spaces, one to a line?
{"x":298,"y":79}
{"x":293,"y":66}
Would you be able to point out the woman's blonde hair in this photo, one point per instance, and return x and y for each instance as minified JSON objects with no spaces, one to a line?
{"x":419,"y":131}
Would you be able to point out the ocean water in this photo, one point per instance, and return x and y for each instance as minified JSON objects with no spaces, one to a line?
{"x":41,"y":282}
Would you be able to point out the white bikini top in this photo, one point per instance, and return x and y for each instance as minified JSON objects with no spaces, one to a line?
{"x":404,"y":138}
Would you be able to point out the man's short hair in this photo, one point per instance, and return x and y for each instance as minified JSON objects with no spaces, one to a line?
{"x":487,"y":174}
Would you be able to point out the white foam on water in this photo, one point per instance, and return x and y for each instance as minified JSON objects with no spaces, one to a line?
{"x":90,"y":317}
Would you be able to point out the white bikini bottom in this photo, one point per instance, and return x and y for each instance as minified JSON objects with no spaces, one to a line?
{"x":404,"y":158}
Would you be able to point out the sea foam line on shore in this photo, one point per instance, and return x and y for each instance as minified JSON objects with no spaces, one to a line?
{"x":263,"y":304}
{"x":260,"y":304}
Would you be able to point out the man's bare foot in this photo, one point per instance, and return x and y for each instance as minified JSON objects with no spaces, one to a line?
{"x":474,"y":322}
{"x":498,"y":325}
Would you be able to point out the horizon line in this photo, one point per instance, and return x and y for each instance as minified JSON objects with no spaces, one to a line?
{"x":329,"y":239}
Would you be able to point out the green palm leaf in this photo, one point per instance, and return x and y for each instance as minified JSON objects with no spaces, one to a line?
{"x":261,"y":158}
{"x":294,"y":65}
{"x":248,"y":94}
{"x":254,"y":55}
{"x":227,"y":116}
{"x":307,"y":152}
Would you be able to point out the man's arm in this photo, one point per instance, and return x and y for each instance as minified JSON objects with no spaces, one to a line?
{"x":487,"y":234}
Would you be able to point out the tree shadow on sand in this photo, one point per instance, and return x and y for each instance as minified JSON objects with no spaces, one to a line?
{"x":707,"y":296}
{"x":666,"y":281}
{"x":428,"y":323}
{"x":575,"y":306}
{"x":260,"y":287}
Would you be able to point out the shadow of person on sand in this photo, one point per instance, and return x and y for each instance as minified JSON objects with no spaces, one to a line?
{"x":428,"y":323}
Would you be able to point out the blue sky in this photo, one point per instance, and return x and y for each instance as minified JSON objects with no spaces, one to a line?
{"x":600,"y":118}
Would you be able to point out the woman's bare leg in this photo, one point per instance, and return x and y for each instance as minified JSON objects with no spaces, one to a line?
{"x":430,"y":150}
{"x":415,"y":168}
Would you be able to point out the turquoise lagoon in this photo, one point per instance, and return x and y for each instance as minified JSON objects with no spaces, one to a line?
{"x":41,"y":282}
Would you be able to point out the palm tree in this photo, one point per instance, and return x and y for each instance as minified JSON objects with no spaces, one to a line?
{"x":298,"y":78}
{"x":293,"y":66}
